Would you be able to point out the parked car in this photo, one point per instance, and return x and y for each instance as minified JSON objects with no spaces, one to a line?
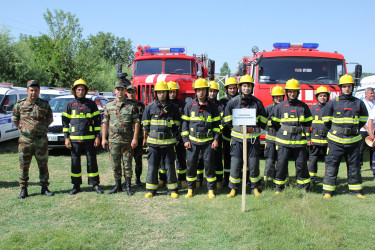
{"x":48,"y":93}
{"x":9,"y":95}
{"x":55,"y":134}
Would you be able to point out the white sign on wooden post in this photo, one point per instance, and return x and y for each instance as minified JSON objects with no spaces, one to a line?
{"x":244,"y":117}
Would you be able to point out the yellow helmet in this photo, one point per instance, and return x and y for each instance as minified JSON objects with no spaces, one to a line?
{"x":80,"y":81}
{"x":277,"y":91}
{"x":160,"y":86}
{"x":292,"y":84}
{"x":213,"y":85}
{"x":173,"y":85}
{"x":230,"y":81}
{"x":321,"y":89}
{"x":200,"y":83}
{"x":346,"y":79}
{"x":246,"y":79}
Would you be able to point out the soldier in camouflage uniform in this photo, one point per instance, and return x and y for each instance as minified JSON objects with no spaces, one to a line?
{"x":119,"y":117}
{"x":131,"y":92}
{"x":32,"y":116}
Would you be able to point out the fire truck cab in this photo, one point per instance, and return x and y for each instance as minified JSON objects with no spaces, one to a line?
{"x":151,"y":65}
{"x":301,"y":61}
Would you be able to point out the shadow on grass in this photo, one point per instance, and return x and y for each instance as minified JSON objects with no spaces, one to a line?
{"x":10,"y":184}
{"x":9,"y":147}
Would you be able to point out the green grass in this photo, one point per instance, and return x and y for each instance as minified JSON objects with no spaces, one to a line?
{"x":87,"y":220}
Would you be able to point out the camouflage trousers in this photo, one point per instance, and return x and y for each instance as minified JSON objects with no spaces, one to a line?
{"x":27,"y":148}
{"x":121,"y":153}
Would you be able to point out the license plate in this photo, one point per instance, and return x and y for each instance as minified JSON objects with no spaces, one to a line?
{"x":52,"y":138}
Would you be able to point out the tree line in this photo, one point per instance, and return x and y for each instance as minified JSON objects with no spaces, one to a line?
{"x":62,"y":56}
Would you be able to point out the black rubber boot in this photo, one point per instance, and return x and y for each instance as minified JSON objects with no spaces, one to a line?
{"x":45,"y":191}
{"x":76,"y":189}
{"x":117,"y":188}
{"x":138,"y":181}
{"x":97,"y":189}
{"x":23,"y":193}
{"x":128,"y":187}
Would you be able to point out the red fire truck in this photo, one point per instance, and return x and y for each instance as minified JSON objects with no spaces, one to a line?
{"x":153,"y":64}
{"x":302,"y":61}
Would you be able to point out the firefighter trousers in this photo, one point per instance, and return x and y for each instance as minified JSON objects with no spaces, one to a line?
{"x":314,"y":152}
{"x":92,"y":165}
{"x":333,"y":159}
{"x":154,"y":157}
{"x":192,"y":156}
{"x":253,"y":152}
{"x":299,"y":155}
{"x":226,"y":154}
{"x":219,"y":162}
{"x":270,"y":154}
{"x":180,"y":163}
{"x":373,"y":160}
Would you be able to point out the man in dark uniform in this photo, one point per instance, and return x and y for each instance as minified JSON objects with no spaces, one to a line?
{"x":344,"y":116}
{"x":292,"y":121}
{"x":231,"y":89}
{"x":83,"y":134}
{"x":245,"y":100}
{"x":32,"y":116}
{"x":121,"y":120}
{"x":270,"y":152}
{"x":318,"y":142}
{"x":138,"y":151}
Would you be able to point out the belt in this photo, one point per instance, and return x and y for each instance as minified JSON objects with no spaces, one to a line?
{"x":248,"y":130}
{"x":346,"y":131}
{"x":320,"y":132}
{"x":160,"y":135}
{"x":120,"y":130}
{"x":295,"y":129}
{"x":202,"y":135}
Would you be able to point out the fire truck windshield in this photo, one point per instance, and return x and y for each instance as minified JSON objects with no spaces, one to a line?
{"x":308,"y":70}
{"x":178,"y":66}
{"x":148,"y":67}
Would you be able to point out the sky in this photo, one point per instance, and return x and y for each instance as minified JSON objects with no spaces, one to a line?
{"x":224,"y":30}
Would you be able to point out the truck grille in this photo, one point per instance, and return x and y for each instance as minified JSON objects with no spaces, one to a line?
{"x":146,"y":93}
{"x":55,"y":129}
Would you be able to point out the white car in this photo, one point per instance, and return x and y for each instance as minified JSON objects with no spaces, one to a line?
{"x":55,"y":134}
{"x":48,"y":93}
{"x":9,"y":95}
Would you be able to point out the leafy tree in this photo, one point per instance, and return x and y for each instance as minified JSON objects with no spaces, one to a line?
{"x":225,"y":70}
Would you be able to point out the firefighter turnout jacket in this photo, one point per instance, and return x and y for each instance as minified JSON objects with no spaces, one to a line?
{"x":318,"y":129}
{"x":200,"y":123}
{"x":161,"y":123}
{"x":271,"y":132}
{"x":84,"y":118}
{"x":344,"y":116}
{"x":292,"y":120}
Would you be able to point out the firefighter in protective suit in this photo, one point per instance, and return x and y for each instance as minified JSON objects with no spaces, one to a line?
{"x":200,"y":133}
{"x":245,"y":100}
{"x":270,"y":152}
{"x":180,"y":149}
{"x":344,"y":116}
{"x":84,"y":119}
{"x":161,"y":120}
{"x":231,"y":89}
{"x":292,"y":121}
{"x":318,"y":142}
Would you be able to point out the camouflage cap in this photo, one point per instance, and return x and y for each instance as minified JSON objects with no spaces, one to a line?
{"x":131,"y":87}
{"x":33,"y":83}
{"x":120,"y":84}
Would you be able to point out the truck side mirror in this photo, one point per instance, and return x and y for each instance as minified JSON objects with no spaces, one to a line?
{"x":211,"y":69}
{"x":242,"y":69}
{"x":119,"y":70}
{"x":357,"y":73}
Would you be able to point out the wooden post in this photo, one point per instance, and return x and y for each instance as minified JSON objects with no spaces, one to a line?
{"x":244,"y":168}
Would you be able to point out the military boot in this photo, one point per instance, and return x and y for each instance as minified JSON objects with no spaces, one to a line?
{"x":97,"y":189}
{"x":23,"y":193}
{"x":76,"y":189}
{"x":128,"y":187}
{"x":117,"y":188}
{"x":45,"y":191}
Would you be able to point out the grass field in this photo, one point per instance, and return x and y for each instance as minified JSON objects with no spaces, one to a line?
{"x":87,"y":220}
